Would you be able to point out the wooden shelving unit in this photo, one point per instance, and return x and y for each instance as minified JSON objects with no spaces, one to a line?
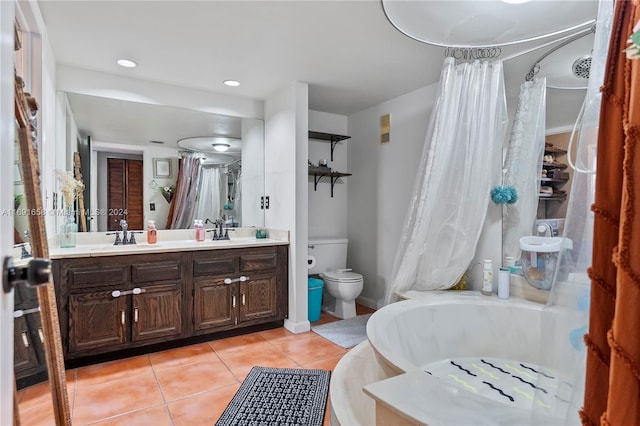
{"x":319,"y":172}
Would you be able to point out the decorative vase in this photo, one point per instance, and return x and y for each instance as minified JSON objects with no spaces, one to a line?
{"x":167,"y":196}
{"x":68,"y":231}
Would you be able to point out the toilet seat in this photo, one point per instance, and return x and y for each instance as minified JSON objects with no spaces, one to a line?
{"x":342,"y":276}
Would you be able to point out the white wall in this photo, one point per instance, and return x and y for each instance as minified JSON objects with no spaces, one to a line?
{"x":327,"y":215}
{"x":252,"y":180}
{"x":87,"y":82}
{"x":382,"y":185}
{"x":286,"y":152}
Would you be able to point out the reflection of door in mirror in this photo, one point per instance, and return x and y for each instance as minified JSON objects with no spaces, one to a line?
{"x":123,"y":197}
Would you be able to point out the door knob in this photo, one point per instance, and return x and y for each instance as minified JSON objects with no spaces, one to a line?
{"x":32,"y":272}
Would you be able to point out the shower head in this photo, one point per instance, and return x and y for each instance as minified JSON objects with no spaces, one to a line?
{"x":582,"y":66}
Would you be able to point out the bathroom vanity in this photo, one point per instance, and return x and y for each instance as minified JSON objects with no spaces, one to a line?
{"x":114,"y":298}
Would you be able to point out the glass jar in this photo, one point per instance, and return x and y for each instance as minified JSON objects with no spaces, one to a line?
{"x":68,"y":230}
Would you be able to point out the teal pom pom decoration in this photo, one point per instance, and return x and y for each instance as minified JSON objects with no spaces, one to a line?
{"x":504,"y":194}
{"x":501,"y":195}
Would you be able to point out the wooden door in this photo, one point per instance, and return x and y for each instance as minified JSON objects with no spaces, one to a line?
{"x":97,"y":320}
{"x":124,"y":193}
{"x":213,"y":303}
{"x":157,"y":312}
{"x":258,"y":297}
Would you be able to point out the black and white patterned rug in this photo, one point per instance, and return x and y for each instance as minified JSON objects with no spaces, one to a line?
{"x":279,"y":396}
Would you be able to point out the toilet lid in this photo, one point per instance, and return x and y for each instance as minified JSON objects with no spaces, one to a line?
{"x":342,"y":276}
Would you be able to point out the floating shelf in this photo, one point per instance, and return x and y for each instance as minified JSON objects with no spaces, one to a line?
{"x":554,"y":150}
{"x":554,"y":166}
{"x":552,"y":197}
{"x":328,"y":137}
{"x":317,"y":175}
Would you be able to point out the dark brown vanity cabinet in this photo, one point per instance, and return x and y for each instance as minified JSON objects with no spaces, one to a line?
{"x":117,"y":302}
{"x":28,"y":350}
{"x":238,"y":287}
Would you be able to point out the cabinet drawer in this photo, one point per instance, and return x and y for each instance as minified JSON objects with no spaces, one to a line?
{"x":156,"y":271}
{"x":258,"y":261}
{"x":215,"y":265}
{"x":97,"y":276}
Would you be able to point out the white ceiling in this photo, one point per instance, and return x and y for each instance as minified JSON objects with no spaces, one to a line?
{"x":347,"y":51}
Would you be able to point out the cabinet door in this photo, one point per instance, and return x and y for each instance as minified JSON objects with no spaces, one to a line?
{"x":258,"y":297}
{"x":157,"y":312}
{"x":24,"y":353}
{"x":213,"y":303}
{"x":97,"y":320}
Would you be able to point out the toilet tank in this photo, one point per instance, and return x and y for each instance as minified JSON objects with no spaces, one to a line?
{"x":330,"y":254}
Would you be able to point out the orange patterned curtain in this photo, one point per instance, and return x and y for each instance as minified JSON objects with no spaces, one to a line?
{"x":612,"y":390}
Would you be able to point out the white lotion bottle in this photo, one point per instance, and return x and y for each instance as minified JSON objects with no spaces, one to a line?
{"x":503,"y":283}
{"x":487,"y":278}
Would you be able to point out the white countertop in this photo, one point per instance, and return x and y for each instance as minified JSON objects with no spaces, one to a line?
{"x":94,"y":244}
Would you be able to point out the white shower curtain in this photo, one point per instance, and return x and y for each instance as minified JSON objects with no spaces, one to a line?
{"x":208,"y":205}
{"x":461,"y":155}
{"x":523,"y":163}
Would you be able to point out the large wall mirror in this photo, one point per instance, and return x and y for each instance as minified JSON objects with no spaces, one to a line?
{"x":129,"y":156}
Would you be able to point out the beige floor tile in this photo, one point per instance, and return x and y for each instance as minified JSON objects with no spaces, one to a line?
{"x":204,"y":408}
{"x":100,"y":402}
{"x":182,"y":356}
{"x":154,"y":416}
{"x":190,"y":379}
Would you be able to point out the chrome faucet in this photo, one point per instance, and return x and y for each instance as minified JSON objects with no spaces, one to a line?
{"x":123,"y":225}
{"x":544,"y":229}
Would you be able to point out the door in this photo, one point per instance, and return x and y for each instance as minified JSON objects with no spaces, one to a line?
{"x":6,"y":204}
{"x":213,"y":303}
{"x":124,"y":193}
{"x":157,"y":312}
{"x":97,"y":320}
{"x":258,"y":297}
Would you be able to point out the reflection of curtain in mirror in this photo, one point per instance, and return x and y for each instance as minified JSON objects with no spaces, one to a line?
{"x":208,"y":204}
{"x":523,"y":164}
{"x":181,"y":210}
{"x":451,"y":193}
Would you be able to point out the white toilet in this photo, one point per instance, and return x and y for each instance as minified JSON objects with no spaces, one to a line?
{"x":342,"y":286}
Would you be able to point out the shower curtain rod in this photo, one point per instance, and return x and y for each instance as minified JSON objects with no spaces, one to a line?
{"x":485,"y":46}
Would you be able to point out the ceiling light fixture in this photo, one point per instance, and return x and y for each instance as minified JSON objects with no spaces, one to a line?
{"x":231,"y":83}
{"x":220,"y":147}
{"x":127,"y":63}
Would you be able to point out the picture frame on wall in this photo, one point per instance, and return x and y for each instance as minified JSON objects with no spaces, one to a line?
{"x":162,"y":168}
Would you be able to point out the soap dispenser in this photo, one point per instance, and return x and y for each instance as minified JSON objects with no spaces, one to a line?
{"x":152,"y":233}
{"x":199,"y":227}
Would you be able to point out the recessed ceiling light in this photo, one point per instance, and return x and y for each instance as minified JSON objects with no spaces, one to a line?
{"x":221,"y":147}
{"x":127,"y":63}
{"x":232,"y":83}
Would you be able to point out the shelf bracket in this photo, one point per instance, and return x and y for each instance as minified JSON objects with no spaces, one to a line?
{"x":333,"y":182}
{"x":316,"y":179}
{"x":334,"y":142}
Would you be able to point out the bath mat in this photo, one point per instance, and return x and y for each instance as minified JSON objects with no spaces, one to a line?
{"x":279,"y":396}
{"x":346,"y":333}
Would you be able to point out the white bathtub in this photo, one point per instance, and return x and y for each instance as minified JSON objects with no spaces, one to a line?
{"x":471,"y":349}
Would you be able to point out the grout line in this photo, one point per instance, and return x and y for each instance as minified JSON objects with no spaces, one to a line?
{"x":121,"y":414}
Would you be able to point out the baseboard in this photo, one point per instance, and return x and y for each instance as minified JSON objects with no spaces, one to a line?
{"x":369,"y":303}
{"x":297,"y":327}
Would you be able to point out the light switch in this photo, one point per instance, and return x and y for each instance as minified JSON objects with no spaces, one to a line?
{"x":152,"y":207}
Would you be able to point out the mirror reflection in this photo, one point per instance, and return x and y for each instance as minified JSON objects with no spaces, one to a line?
{"x":144,"y":162}
{"x":30,"y":366}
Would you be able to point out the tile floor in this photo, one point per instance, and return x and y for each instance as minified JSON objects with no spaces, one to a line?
{"x":191,"y":385}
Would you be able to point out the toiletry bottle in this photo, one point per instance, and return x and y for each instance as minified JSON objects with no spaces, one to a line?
{"x":199,"y":227}
{"x":152,"y":233}
{"x":487,"y":278}
{"x":503,"y":283}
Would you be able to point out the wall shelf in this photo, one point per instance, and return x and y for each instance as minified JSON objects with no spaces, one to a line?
{"x":328,"y":137}
{"x":334,"y":176}
{"x":554,"y":166}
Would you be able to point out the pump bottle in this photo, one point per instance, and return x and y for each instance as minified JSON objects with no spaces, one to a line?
{"x":152,"y":233}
